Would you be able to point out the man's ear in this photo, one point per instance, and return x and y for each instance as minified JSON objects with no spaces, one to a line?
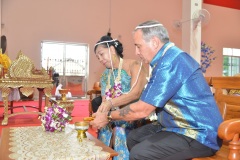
{"x":155,"y":42}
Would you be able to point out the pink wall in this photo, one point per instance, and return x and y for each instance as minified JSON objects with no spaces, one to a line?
{"x":221,"y":31}
{"x":28,"y":22}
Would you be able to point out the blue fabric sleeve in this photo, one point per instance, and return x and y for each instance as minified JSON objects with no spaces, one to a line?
{"x":167,"y":78}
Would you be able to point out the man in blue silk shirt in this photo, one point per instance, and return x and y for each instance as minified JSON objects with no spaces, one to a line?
{"x":188,"y":117}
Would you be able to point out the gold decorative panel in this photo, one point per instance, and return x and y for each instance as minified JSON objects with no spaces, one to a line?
{"x":23,"y":68}
{"x":22,"y":74}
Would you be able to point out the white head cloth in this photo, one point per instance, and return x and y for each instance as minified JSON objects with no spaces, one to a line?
{"x":105,"y":42}
{"x":148,"y":26}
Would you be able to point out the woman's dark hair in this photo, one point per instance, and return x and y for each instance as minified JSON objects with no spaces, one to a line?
{"x":3,"y":43}
{"x":116,"y":44}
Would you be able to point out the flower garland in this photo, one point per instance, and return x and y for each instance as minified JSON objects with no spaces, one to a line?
{"x":116,"y":90}
{"x":206,"y":56}
{"x":55,"y":118}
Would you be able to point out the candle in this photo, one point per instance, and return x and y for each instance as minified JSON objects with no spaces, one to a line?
{"x":47,"y":62}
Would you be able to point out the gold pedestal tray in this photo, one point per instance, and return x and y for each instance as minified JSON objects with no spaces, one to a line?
{"x":81,"y":127}
{"x":68,"y":104}
{"x":64,"y":102}
{"x":64,"y":93}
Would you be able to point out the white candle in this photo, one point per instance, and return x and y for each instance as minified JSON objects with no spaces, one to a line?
{"x":47,"y":62}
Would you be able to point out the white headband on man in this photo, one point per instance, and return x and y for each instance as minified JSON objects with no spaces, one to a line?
{"x":148,"y":26}
{"x":105,"y":42}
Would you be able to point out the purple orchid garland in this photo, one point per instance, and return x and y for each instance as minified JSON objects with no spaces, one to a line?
{"x":55,"y":118}
{"x":115,"y":91}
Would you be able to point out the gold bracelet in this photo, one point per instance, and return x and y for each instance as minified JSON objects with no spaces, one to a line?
{"x":109,"y":117}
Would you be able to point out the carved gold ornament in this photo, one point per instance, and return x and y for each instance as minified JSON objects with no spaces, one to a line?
{"x":27,"y":91}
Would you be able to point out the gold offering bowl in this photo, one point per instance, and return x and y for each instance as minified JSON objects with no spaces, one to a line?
{"x":81,"y":128}
{"x":63,"y":92}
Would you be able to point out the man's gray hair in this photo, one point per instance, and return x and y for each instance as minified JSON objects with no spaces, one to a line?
{"x":153,"y":28}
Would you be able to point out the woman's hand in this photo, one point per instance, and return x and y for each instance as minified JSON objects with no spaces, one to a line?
{"x":105,"y":106}
{"x":100,"y":120}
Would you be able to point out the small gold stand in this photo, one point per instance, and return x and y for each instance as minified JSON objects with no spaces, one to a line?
{"x":64,"y":102}
{"x":63,"y":92}
{"x":81,"y":127}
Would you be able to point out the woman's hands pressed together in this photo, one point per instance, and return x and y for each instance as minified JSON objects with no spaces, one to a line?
{"x":100,"y":120}
{"x":105,"y":106}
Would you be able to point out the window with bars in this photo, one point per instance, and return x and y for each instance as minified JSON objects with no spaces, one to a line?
{"x":231,"y":61}
{"x":70,"y":61}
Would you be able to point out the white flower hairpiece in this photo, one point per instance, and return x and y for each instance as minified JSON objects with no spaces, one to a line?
{"x":115,"y":44}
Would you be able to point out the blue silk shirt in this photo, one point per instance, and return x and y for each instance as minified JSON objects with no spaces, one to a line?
{"x":178,"y":88}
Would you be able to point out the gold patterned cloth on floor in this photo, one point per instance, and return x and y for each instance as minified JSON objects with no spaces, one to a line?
{"x":34,"y":143}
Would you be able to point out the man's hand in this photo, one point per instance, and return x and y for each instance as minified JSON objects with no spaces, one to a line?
{"x":100,"y":120}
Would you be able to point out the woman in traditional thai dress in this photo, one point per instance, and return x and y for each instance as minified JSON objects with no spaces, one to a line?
{"x":122,"y":83}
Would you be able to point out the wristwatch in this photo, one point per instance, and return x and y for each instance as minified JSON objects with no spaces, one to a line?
{"x":109,"y":116}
